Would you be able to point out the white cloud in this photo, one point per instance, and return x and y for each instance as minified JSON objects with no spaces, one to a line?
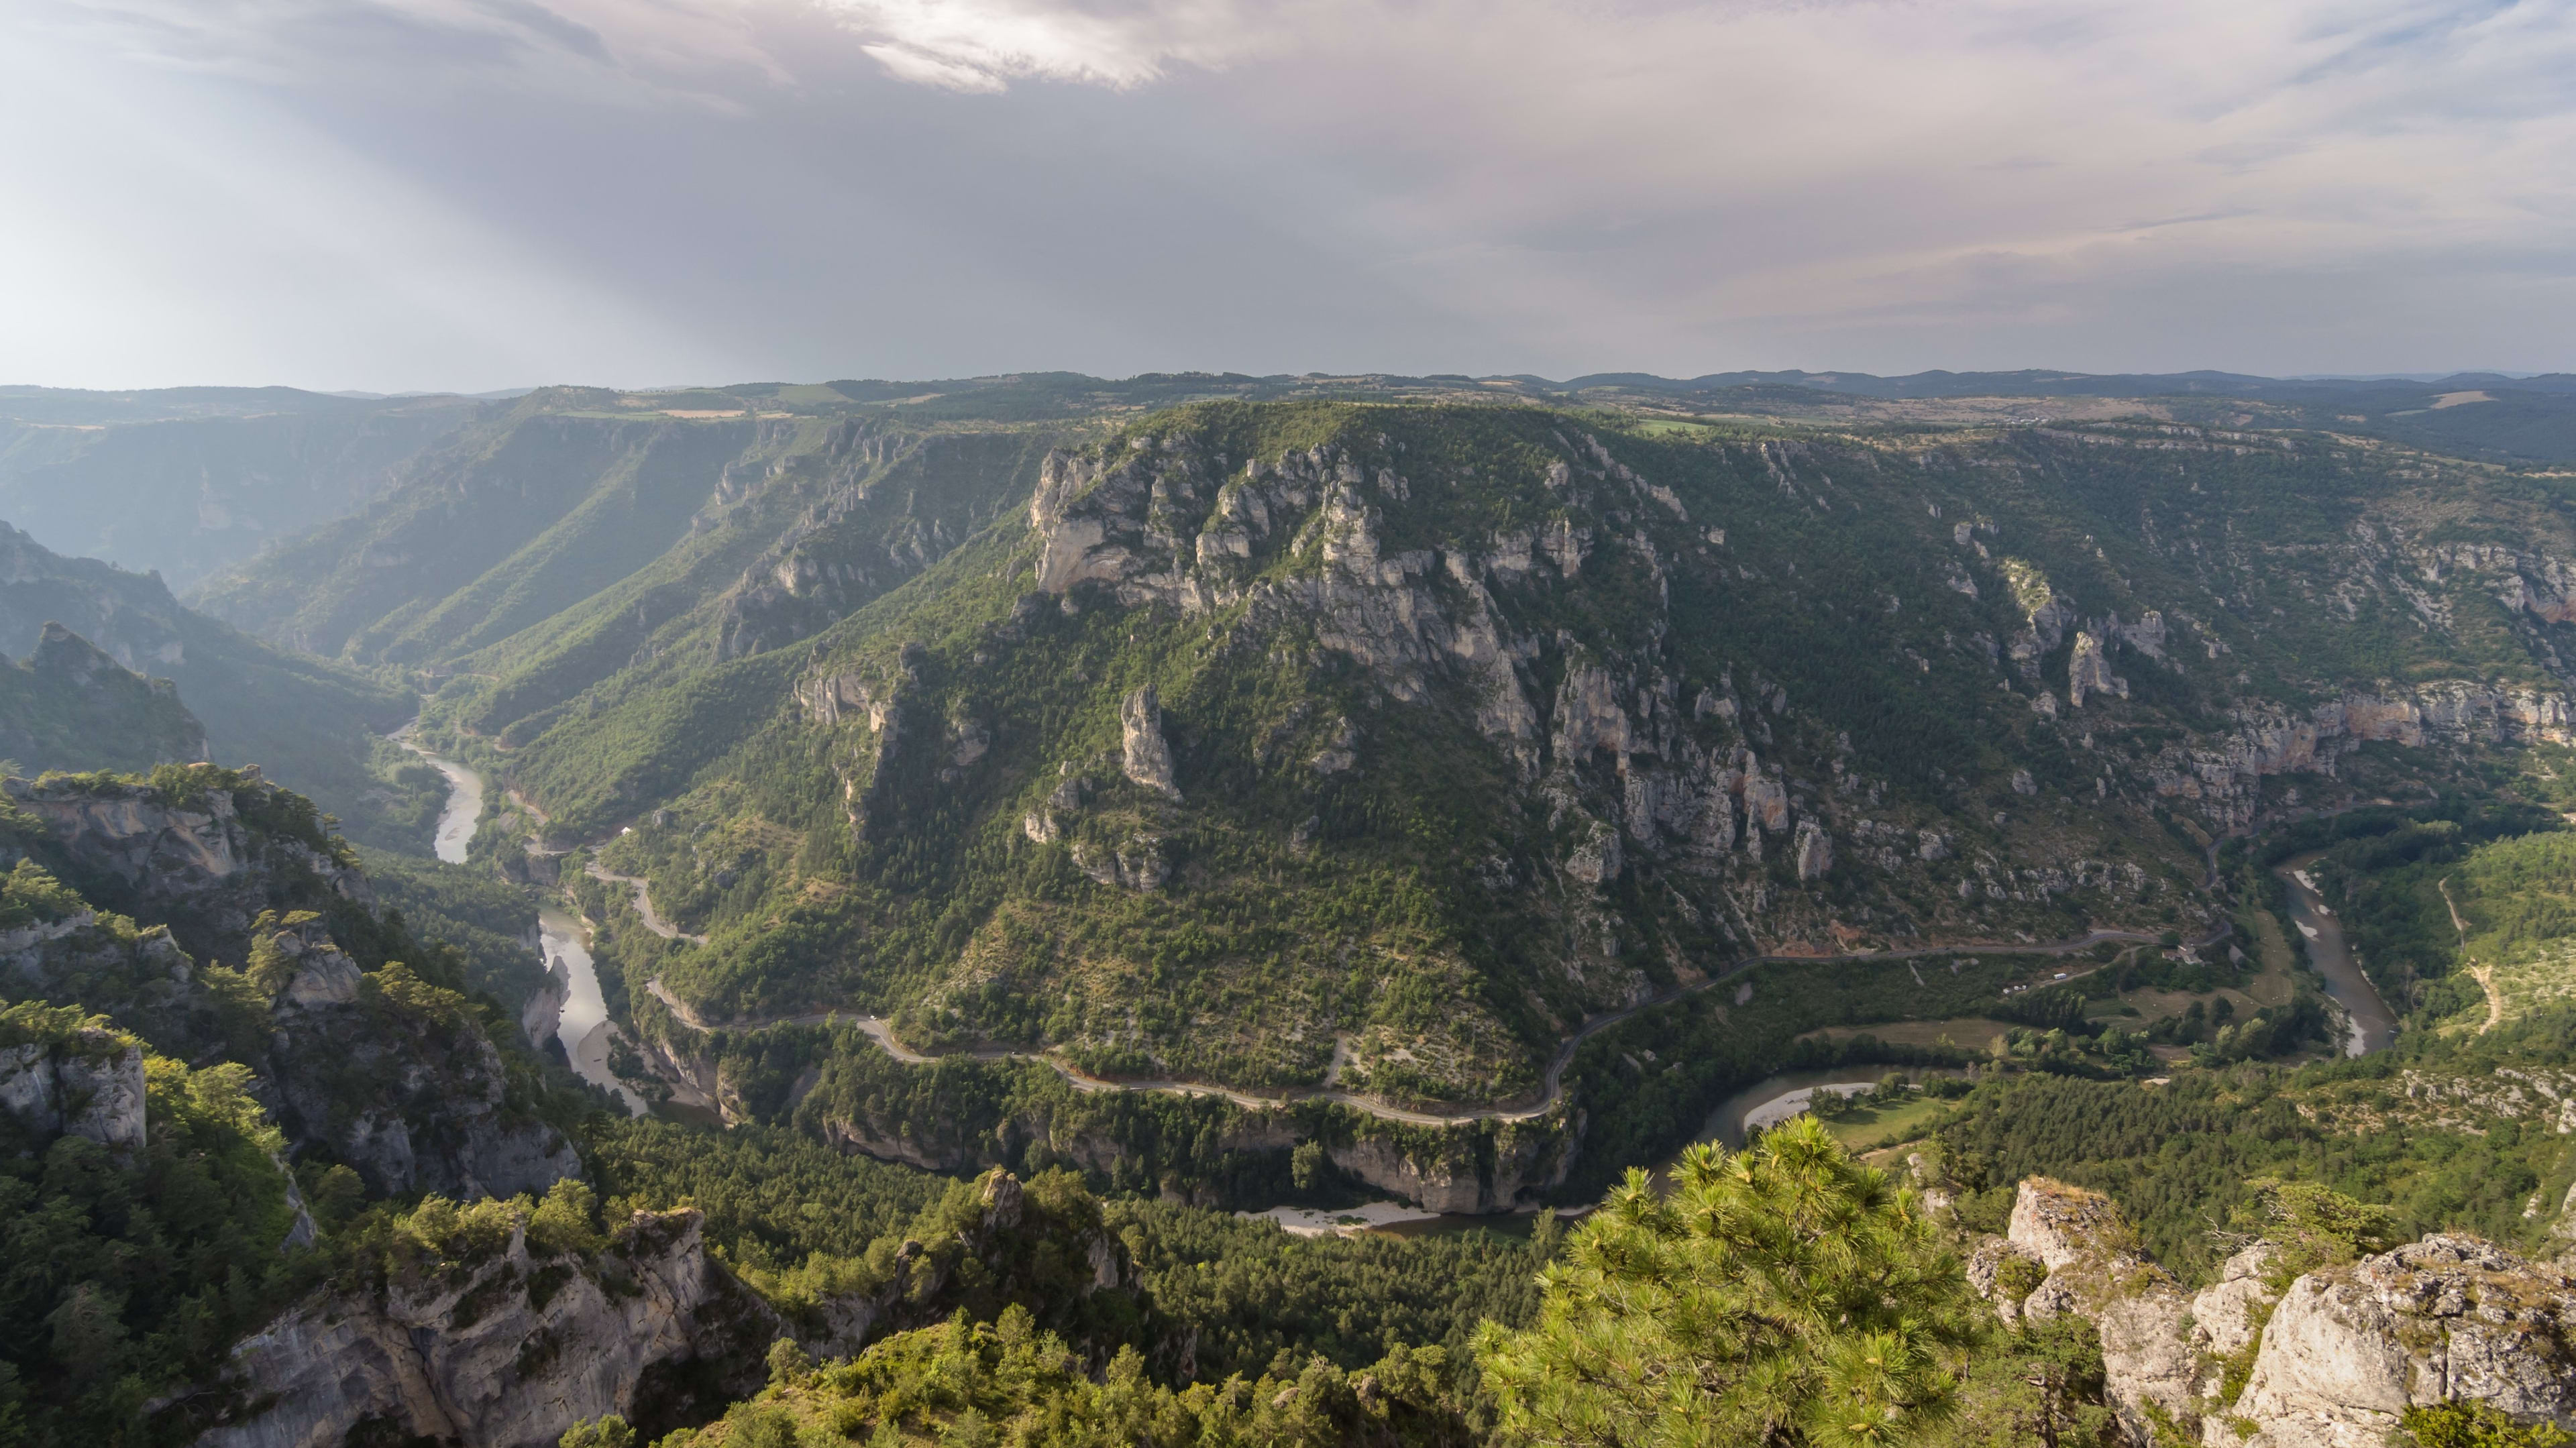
{"x":981,"y":45}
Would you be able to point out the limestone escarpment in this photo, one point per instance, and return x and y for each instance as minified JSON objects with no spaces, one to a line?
{"x":397,"y":1079}
{"x":878,"y":507}
{"x":505,"y":1352}
{"x":2337,"y":1355}
{"x":141,"y":978}
{"x":206,"y":861}
{"x":2222,"y":777}
{"x":1639,"y":768}
{"x":1613,"y":706}
{"x":1481,"y":1166}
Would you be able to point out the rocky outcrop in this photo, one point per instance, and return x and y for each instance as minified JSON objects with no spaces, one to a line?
{"x":1008,"y":1239}
{"x":1144,"y":755}
{"x":2095,"y":1270}
{"x":1814,"y":851}
{"x":87,"y":1081}
{"x":421,"y":1106}
{"x":1469,"y":1170}
{"x":1475,"y":1167}
{"x":2088,"y":672}
{"x":140,"y":978}
{"x":507,"y":1352}
{"x":2223,"y":777}
{"x":192,"y":859}
{"x":542,"y":1017}
{"x":2336,"y":1358}
{"x":2349,"y":1349}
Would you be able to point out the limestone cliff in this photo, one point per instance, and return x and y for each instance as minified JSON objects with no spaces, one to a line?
{"x":205,"y":860}
{"x":2349,"y":1349}
{"x":504,"y":1352}
{"x":83,"y":1081}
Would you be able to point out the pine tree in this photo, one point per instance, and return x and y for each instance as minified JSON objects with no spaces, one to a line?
{"x":1784,"y":1295}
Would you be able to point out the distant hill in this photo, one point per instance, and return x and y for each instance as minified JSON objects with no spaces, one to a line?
{"x":71,"y":707}
{"x":310,"y":724}
{"x":182,"y":481}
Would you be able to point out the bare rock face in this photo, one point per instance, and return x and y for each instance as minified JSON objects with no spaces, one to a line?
{"x":1147,"y":758}
{"x":89,"y":1083}
{"x":542,"y":1017}
{"x":508,"y":1353}
{"x":2088,"y":672}
{"x":430,"y":1116}
{"x":2342,"y":1353}
{"x":1815,"y":851}
{"x":2349,"y":1349}
{"x":1456,"y":1174}
{"x":2228,"y":1315}
{"x":2222,"y":775}
{"x":193,"y":862}
{"x":1596,"y":857}
{"x":2095,"y":1270}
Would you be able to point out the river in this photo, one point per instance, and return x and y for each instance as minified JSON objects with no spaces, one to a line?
{"x":2371,"y":1025}
{"x":585,"y":1030}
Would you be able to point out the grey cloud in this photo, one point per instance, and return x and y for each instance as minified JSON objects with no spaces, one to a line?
{"x":907,"y":187}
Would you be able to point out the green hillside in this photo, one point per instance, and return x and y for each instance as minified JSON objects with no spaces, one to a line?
{"x":70,"y":707}
{"x":1374,"y":747}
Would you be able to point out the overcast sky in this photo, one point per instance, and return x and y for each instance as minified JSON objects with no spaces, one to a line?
{"x":475,"y":194}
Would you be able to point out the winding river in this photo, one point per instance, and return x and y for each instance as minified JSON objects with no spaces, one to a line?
{"x":2371,"y":1026}
{"x":584,"y":1030}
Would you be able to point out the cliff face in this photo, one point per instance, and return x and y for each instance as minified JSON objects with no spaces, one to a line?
{"x":2349,"y":1349}
{"x":392,"y":1074}
{"x":2336,"y":1358}
{"x":1475,"y":1167}
{"x":508,"y":1353}
{"x":88,"y":1082}
{"x":511,"y":1348}
{"x":397,"y":1079}
{"x":195,"y":861}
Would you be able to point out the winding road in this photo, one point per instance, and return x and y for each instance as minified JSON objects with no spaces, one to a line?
{"x":644,"y":906}
{"x":880,"y":1031}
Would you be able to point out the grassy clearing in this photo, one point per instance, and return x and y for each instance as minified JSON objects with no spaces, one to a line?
{"x":2273,"y":985}
{"x":1873,"y":1126}
{"x":1967,"y":1032}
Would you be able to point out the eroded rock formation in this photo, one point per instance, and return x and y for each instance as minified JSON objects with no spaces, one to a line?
{"x":2337,"y":1355}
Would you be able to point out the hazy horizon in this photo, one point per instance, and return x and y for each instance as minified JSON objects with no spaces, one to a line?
{"x":401,"y":195}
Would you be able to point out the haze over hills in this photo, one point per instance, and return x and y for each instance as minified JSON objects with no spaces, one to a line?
{"x":180,"y":481}
{"x":310,"y":722}
{"x":186,"y":481}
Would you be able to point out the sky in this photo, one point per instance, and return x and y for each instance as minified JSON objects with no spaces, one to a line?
{"x":465,"y":195}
